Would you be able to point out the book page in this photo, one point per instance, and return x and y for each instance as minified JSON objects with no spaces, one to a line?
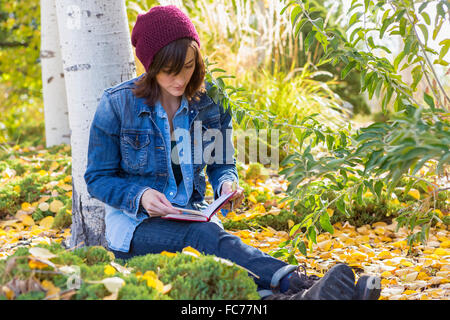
{"x":205,"y":214}
{"x":213,"y":207}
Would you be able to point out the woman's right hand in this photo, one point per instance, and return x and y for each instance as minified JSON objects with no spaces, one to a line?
{"x":156,"y":204}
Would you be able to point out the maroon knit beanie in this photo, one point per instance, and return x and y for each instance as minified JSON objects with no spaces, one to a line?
{"x":157,"y":28}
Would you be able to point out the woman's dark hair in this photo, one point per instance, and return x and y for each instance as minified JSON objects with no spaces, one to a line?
{"x":172,"y":57}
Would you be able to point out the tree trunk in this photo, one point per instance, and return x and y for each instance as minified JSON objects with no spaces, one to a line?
{"x":57,"y":129}
{"x":97,"y":53}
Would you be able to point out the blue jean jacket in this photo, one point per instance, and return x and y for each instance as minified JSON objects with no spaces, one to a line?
{"x":129,"y":152}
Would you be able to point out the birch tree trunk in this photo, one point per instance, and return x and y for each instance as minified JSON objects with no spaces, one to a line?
{"x":57,"y":128}
{"x":96,"y":53}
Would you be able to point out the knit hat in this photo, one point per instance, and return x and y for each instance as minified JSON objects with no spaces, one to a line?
{"x":157,"y":28}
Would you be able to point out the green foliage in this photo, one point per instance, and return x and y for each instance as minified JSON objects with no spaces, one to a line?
{"x":380,"y":155}
{"x":201,"y":279}
{"x":190,"y":277}
{"x":20,"y":73}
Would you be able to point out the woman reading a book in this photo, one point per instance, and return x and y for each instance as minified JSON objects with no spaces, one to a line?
{"x":147,"y":151}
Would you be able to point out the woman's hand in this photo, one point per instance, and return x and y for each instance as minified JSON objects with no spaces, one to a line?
{"x":156,"y":204}
{"x":237,"y":198}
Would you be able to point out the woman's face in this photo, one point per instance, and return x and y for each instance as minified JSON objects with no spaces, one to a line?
{"x":174,"y":85}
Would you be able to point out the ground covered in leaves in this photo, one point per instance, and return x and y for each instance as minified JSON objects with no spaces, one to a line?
{"x":35,"y":217}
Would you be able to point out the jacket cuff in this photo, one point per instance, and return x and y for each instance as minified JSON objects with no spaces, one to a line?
{"x":135,"y":196}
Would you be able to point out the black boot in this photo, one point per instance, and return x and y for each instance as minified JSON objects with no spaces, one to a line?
{"x":367,"y":288}
{"x":337,"y":284}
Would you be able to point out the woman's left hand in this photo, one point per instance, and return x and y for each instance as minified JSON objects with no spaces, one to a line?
{"x":237,"y":198}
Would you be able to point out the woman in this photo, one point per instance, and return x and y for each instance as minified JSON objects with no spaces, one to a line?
{"x":139,"y":178}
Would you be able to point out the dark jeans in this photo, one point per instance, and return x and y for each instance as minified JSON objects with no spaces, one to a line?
{"x":155,"y":235}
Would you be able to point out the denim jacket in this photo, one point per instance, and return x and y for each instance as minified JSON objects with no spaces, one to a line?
{"x":128,"y":154}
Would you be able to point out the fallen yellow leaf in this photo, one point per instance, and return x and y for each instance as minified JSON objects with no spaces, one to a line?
{"x":27,"y":220}
{"x":51,"y":289}
{"x":190,"y":251}
{"x":55,"y":205}
{"x":414,"y":193}
{"x":46,"y":222}
{"x":109,"y":270}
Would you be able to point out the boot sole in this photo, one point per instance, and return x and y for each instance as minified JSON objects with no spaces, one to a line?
{"x":337,"y":284}
{"x":368,"y":288}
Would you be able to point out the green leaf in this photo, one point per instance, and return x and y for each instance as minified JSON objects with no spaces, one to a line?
{"x":359,"y":192}
{"x":302,"y":247}
{"x":378,"y":188}
{"x":325,"y":223}
{"x":424,"y":31}
{"x":429,"y":100}
{"x":426,"y":17}
{"x":295,"y":12}
{"x":285,"y":8}
{"x":340,"y":204}
{"x":312,"y":235}
{"x":347,"y":69}
{"x":445,"y":47}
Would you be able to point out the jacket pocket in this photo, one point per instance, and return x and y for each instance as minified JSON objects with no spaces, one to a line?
{"x":134,"y":146}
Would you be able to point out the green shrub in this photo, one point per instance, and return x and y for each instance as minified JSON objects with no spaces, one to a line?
{"x":198,"y":278}
{"x":189,"y":277}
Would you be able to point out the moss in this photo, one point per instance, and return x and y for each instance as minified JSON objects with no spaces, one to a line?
{"x":198,"y":278}
{"x":33,"y":295}
{"x":94,"y":254}
{"x":63,"y":219}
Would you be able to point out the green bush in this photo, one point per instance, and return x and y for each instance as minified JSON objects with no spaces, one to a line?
{"x":189,"y":277}
{"x":198,"y":278}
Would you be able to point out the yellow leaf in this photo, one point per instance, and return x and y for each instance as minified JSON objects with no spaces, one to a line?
{"x":17,"y":188}
{"x":325,"y":245}
{"x":66,"y":187}
{"x":109,"y":270}
{"x":414,"y":193}
{"x":384,"y":255}
{"x":8,"y":292}
{"x":445,"y":244}
{"x":68,"y":179}
{"x":168,"y":254}
{"x":386,"y":274}
{"x":438,"y":212}
{"x":154,"y":282}
{"x":252,"y":198}
{"x":191,"y":251}
{"x":36,"y":264}
{"x":55,"y":205}
{"x":51,"y":289}
{"x":368,"y":194}
{"x":26,"y":206}
{"x":411,"y":276}
{"x":42,"y":172}
{"x":441,"y":252}
{"x":27,"y":220}
{"x":422,"y":276}
{"x":358,"y":256}
{"x":54,"y":166}
{"x":399,"y":244}
{"x":330,"y":212}
{"x":408,"y":292}
{"x":46,"y":222}
{"x":406,"y":263}
{"x":290,"y":223}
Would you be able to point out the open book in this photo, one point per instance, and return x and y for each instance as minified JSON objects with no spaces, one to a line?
{"x":203,"y":215}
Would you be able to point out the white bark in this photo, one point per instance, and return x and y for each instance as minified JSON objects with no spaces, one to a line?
{"x":57,"y":128}
{"x":97,"y":53}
